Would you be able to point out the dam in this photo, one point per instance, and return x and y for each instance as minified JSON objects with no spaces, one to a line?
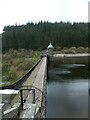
{"x":67,"y":81}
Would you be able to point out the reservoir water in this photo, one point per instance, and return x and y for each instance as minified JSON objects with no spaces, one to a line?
{"x":67,"y":88}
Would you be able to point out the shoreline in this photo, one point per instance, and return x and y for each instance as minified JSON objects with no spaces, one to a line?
{"x":72,"y":55}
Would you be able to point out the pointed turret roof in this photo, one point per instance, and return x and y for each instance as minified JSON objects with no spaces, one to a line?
{"x":50,"y":46}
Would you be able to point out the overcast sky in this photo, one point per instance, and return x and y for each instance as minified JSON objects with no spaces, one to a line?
{"x":23,"y":11}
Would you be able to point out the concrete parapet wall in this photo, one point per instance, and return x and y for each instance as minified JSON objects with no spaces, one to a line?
{"x":39,"y":81}
{"x":39,"y":85}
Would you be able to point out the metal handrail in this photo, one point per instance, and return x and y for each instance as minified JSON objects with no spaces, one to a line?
{"x":21,"y":94}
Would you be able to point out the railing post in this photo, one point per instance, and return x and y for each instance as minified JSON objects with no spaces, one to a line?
{"x":34,"y":96}
{"x":21,"y":98}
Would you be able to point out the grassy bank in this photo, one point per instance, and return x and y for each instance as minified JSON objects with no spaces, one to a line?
{"x":15,"y":64}
{"x":71,"y":50}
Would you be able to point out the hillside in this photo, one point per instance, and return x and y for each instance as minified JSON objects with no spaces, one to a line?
{"x":37,"y":36}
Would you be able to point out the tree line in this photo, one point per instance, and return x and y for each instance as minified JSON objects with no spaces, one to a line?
{"x":37,"y":36}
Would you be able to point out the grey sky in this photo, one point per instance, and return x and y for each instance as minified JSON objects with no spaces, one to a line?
{"x":23,"y":11}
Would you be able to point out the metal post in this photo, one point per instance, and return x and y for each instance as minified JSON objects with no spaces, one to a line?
{"x":34,"y":96}
{"x":21,"y":99}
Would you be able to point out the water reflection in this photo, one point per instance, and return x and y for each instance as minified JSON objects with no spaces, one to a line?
{"x":68,"y":71}
{"x":67,"y":91}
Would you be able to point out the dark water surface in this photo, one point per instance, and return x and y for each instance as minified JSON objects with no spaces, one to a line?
{"x":67,"y":89}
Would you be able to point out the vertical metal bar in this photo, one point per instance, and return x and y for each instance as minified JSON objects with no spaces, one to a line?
{"x":34,"y":96}
{"x":21,"y":99}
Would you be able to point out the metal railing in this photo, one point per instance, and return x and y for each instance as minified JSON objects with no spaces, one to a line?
{"x":26,"y":88}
